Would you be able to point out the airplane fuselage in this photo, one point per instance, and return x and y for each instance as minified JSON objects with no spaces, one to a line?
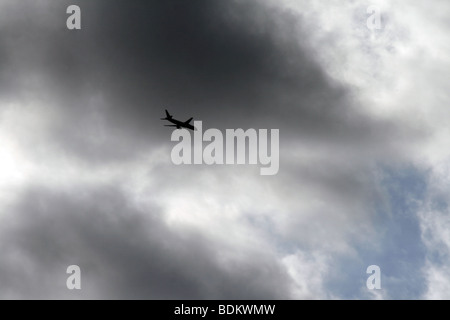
{"x":177,"y":123}
{"x":181,"y":124}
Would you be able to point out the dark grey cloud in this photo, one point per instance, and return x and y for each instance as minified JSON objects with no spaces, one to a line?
{"x":124,"y":253}
{"x":231,"y":64}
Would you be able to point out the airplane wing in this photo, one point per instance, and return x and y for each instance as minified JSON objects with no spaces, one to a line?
{"x":188,"y":121}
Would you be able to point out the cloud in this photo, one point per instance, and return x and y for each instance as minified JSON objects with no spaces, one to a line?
{"x":217,"y":61}
{"x":123,"y":253}
{"x":86,"y":173}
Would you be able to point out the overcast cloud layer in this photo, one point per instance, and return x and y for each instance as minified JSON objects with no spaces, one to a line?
{"x":86,"y":176}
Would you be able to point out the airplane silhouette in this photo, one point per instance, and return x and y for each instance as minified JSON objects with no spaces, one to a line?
{"x":176,"y":123}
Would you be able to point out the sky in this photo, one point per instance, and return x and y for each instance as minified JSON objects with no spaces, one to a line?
{"x":86,"y":176}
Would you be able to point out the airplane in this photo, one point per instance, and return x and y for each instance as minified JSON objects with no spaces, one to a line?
{"x":176,"y":123}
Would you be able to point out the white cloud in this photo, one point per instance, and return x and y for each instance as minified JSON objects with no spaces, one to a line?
{"x":308,"y":272}
{"x":436,"y":235}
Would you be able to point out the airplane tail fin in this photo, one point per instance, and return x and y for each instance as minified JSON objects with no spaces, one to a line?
{"x":188,"y":121}
{"x":168,"y":116}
